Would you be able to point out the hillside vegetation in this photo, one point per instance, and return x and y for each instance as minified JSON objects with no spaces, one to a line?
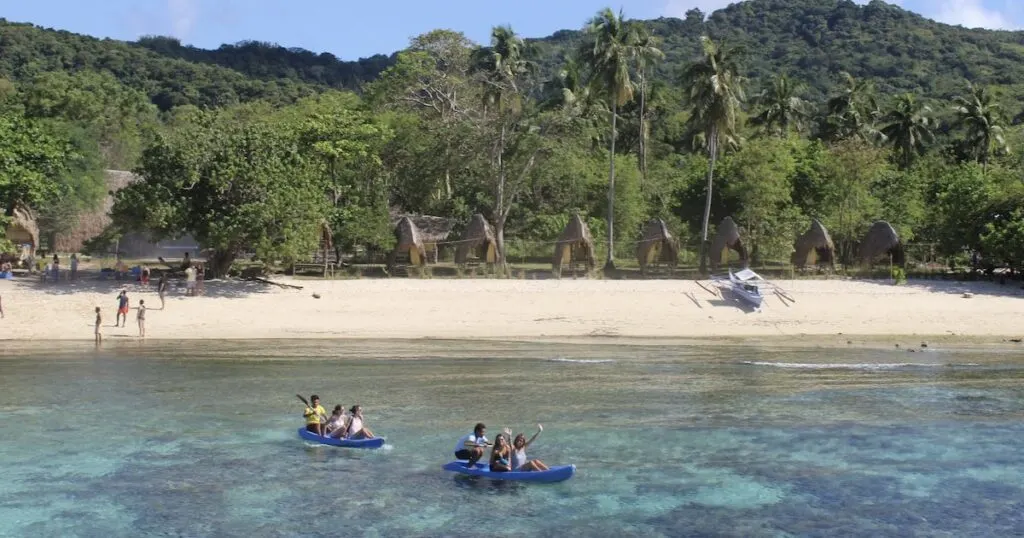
{"x":772,"y":112}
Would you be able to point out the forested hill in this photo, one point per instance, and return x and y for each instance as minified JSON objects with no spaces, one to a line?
{"x":815,"y":40}
{"x":812,"y":40}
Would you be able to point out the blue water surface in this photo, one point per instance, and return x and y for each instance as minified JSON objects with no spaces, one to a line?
{"x":198,"y":439}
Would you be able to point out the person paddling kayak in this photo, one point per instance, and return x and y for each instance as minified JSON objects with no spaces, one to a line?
{"x":314,"y":412}
{"x":471,"y":446}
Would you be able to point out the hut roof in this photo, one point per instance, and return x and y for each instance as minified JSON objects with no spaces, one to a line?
{"x":408,"y":238}
{"x":92,"y":224}
{"x":656,"y":234}
{"x":575,"y":236}
{"x":727,"y":236}
{"x":816,"y":238}
{"x":431,"y":229}
{"x":478,"y":233}
{"x":24,"y":219}
{"x":881,"y":239}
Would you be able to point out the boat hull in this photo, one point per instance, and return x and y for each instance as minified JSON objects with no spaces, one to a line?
{"x":307,"y":435}
{"x":554,"y":474}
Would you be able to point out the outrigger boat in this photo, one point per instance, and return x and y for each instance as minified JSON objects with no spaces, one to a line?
{"x":746,"y":284}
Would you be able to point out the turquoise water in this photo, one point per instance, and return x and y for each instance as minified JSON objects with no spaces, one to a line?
{"x":198,"y":439}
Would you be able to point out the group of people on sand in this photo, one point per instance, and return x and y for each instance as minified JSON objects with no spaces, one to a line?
{"x":121,"y":319}
{"x":340,"y":425}
{"x":507,"y":454}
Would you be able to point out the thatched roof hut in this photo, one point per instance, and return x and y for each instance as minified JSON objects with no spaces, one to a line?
{"x":409,"y":241}
{"x":23,"y":230}
{"x":881,"y":240}
{"x":814,"y":241}
{"x":574,"y":245}
{"x":657,"y":245}
{"x":432,"y":229}
{"x":477,"y":238}
{"x":727,"y":236}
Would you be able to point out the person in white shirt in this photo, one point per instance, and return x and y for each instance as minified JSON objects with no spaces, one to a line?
{"x":336,"y":425}
{"x":471,"y":446}
{"x":355,"y":429}
{"x":190,"y":281}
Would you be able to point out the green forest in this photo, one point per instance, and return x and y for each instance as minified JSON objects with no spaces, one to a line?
{"x":772,"y":112}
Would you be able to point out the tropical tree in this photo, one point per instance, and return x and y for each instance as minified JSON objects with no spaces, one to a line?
{"x":981,"y":118}
{"x":235,"y":186}
{"x":608,"y":52}
{"x":501,"y":67}
{"x":908,"y":127}
{"x":782,"y":109}
{"x":713,"y":92}
{"x":646,"y":53}
{"x":851,"y":113}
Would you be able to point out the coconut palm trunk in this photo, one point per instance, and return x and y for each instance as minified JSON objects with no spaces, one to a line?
{"x":643,"y":133}
{"x":712,"y":159}
{"x":610,"y":263}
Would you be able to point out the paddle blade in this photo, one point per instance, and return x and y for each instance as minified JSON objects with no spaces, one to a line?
{"x":299,"y":396}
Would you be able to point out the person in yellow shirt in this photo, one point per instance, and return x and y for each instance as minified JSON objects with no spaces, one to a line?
{"x":315,"y":415}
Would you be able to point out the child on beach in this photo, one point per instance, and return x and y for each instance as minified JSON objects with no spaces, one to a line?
{"x":141,"y":318}
{"x":161,"y":289}
{"x":99,"y":321}
{"x":122,"y":309}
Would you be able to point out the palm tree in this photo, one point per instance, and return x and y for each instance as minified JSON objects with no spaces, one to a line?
{"x":782,"y":108}
{"x":852,"y":113}
{"x":607,"y":53}
{"x":713,"y":91}
{"x":646,"y":53}
{"x":501,"y":65}
{"x":908,"y":127}
{"x":982,"y":119}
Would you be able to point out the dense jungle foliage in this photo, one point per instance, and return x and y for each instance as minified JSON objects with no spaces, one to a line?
{"x":773,"y":112}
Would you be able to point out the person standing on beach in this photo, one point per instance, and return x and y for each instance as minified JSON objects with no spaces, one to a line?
{"x":56,"y":268}
{"x":141,"y":318}
{"x":122,"y":309}
{"x":99,"y":322}
{"x":161,"y":288}
{"x":74,"y":267}
{"x":190,"y":281}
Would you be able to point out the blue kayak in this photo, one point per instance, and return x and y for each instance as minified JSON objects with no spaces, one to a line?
{"x":307,"y":435}
{"x":554,"y":474}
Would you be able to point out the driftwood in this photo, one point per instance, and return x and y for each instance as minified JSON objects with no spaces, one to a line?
{"x":272,"y":283}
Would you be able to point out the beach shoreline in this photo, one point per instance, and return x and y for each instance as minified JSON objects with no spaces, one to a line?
{"x":659,"y":312}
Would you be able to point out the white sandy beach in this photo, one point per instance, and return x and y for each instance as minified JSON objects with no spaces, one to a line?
{"x":515,"y":309}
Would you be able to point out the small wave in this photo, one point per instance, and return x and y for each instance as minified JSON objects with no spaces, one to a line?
{"x":851,"y":366}
{"x":582,"y":361}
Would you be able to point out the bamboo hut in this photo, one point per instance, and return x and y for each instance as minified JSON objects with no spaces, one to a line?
{"x":814,"y":242}
{"x":881,"y":240}
{"x":408,"y":241}
{"x":574,"y":245}
{"x":433,"y":231}
{"x":657,"y":245}
{"x":23,"y":232}
{"x":727,"y":237}
{"x":478,"y":239}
